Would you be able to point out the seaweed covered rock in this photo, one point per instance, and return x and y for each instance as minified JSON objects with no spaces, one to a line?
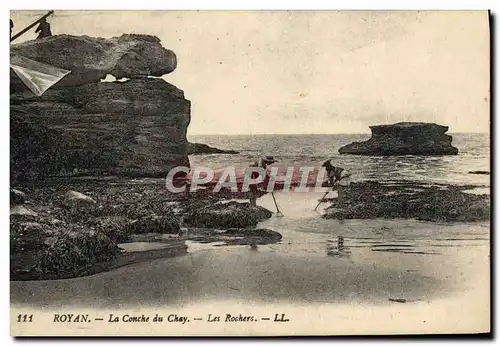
{"x":75,"y":198}
{"x":91,"y":58}
{"x":230,"y":236}
{"x":369,"y":199}
{"x":74,"y":253}
{"x":480,"y":172}
{"x":43,"y":251}
{"x":227,"y":215}
{"x":405,"y":138}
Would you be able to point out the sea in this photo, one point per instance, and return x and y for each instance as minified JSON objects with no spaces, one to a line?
{"x":314,"y":149}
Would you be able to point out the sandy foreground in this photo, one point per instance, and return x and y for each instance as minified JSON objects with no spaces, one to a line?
{"x":391,"y":276}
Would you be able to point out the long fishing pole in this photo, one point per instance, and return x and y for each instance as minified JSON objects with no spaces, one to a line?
{"x":321,"y":200}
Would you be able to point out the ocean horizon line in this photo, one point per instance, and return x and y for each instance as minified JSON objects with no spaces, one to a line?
{"x":312,"y":134}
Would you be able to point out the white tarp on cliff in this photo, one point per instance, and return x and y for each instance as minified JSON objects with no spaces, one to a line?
{"x":35,"y":75}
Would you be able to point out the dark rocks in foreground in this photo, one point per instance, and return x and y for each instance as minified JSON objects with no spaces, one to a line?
{"x":199,"y":148}
{"x":91,"y":58}
{"x":66,"y":234}
{"x":410,"y":200}
{"x":155,"y":223}
{"x":226,"y":215}
{"x":405,"y":138}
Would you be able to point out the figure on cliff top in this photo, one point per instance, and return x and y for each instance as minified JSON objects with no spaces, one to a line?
{"x":43,"y":29}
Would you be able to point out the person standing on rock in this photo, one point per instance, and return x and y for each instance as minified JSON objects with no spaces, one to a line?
{"x":43,"y":29}
{"x":254,"y":188}
{"x":339,"y":176}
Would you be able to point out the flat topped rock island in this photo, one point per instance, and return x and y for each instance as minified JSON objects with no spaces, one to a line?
{"x":404,"y":138}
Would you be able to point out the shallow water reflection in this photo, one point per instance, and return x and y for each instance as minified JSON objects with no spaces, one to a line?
{"x":301,"y":225}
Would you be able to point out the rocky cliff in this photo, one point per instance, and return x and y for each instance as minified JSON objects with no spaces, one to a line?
{"x":405,"y":138}
{"x":85,"y":126}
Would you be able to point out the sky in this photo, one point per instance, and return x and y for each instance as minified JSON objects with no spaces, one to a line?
{"x":256,"y":72}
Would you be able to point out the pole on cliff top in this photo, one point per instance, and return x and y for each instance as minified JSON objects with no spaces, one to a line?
{"x":30,"y":26}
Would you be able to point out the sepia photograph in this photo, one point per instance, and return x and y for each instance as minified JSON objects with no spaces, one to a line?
{"x":249,"y":173}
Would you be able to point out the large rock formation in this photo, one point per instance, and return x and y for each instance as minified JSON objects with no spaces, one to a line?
{"x":84,"y":126}
{"x":90,"y":59}
{"x":405,"y":138}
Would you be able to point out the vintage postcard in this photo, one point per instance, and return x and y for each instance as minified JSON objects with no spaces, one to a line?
{"x":249,"y":173}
